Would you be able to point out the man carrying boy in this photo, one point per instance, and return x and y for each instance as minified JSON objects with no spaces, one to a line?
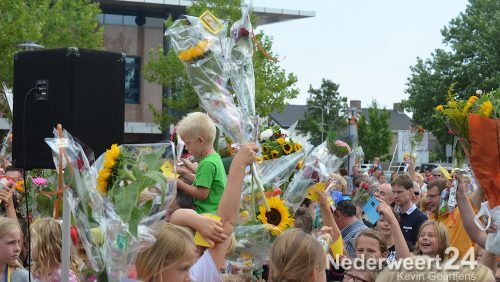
{"x":198,"y":131}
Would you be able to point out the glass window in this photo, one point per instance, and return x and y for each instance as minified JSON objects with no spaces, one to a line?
{"x":132,"y":79}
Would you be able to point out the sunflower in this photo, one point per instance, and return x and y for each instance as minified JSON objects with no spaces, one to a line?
{"x":278,"y":216}
{"x":110,"y":161}
{"x":287,"y":148}
{"x":297,"y":146}
{"x":194,"y":52}
{"x":265,"y":149}
{"x":281,"y":141}
{"x":265,"y":157}
{"x":275,"y":154}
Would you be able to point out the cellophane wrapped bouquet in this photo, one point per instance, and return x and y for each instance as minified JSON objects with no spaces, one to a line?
{"x":475,"y":122}
{"x":116,"y":200}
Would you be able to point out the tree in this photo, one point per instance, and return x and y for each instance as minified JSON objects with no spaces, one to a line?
{"x":470,"y":62}
{"x":272,"y":84}
{"x":374,"y":134}
{"x":325,"y":101}
{"x":50,"y":23}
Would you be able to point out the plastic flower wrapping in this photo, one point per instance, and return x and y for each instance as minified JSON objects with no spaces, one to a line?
{"x":116,"y":200}
{"x":220,"y":69}
{"x":318,"y":165}
{"x":475,"y":122}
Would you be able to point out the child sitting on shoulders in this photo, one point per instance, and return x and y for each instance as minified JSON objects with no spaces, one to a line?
{"x":198,"y":132}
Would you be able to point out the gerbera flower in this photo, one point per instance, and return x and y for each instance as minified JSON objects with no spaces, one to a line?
{"x":278,"y":216}
{"x":287,"y":148}
{"x":275,"y":154}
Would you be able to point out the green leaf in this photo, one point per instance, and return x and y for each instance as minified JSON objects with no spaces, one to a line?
{"x":159,"y":178}
{"x":135,"y":218}
{"x":124,"y":199}
{"x":154,"y":160}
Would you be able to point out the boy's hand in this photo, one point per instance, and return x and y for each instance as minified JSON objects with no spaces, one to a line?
{"x":461,"y":191}
{"x":247,"y":154}
{"x":211,"y":230}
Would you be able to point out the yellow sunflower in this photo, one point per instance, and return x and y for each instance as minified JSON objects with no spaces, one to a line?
{"x":287,"y":148}
{"x":265,"y":149}
{"x":113,"y":152}
{"x":278,"y":216}
{"x":275,"y":154}
{"x":265,"y":157}
{"x":194,"y":52}
{"x":297,"y":147}
{"x":281,"y":141}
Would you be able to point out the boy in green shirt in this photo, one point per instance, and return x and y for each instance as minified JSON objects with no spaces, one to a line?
{"x":198,"y":131}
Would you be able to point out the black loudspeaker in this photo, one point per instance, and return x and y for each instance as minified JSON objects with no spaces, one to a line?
{"x":81,"y":89}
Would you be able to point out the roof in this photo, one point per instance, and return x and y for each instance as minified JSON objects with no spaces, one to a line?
{"x":397,"y":120}
{"x":165,"y":8}
{"x":293,"y":113}
{"x":289,"y":115}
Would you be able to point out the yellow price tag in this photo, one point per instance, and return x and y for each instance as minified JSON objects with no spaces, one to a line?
{"x":211,"y":22}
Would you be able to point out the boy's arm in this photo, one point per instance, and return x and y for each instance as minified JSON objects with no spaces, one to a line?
{"x":209,"y":228}
{"x":200,"y":193}
{"x":229,"y":204}
{"x":467,"y":214}
{"x":8,"y":202}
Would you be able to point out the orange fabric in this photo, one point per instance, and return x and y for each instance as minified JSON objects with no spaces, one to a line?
{"x":484,"y":136}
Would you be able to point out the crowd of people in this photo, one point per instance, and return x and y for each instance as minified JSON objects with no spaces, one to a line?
{"x":412,"y":227}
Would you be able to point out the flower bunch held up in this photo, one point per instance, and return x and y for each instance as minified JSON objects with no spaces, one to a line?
{"x":337,"y":147}
{"x":276,"y":142}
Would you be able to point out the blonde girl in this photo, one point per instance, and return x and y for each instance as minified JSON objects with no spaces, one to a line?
{"x":10,"y":249}
{"x":432,"y":240}
{"x":46,"y":236}
{"x":296,"y":256}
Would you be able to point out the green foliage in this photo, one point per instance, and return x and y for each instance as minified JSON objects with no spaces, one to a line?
{"x":471,"y":60}
{"x":374,"y":134}
{"x":272,"y":84}
{"x":325,"y":99}
{"x":50,"y":23}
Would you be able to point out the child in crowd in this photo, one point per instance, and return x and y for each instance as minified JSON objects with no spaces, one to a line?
{"x":46,"y":238}
{"x":171,"y":257}
{"x":388,"y":227}
{"x":296,"y":256}
{"x":198,"y":132}
{"x":10,"y":250}
{"x":432,"y":240}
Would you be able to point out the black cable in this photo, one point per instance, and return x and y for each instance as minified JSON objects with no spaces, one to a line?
{"x":26,"y":192}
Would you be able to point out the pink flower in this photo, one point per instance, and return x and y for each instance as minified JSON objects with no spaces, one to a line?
{"x":39,"y":181}
{"x":343,"y":144}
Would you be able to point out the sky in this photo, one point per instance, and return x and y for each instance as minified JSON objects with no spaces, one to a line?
{"x":365,"y":46}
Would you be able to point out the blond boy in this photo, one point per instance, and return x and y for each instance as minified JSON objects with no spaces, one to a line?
{"x":198,"y":132}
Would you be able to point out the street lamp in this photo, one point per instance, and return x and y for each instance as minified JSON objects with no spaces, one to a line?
{"x":322,"y":121}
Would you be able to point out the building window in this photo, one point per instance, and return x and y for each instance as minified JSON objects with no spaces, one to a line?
{"x":132,"y":79}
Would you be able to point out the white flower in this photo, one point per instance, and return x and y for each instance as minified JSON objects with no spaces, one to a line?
{"x":266,"y":134}
{"x":283,"y":132}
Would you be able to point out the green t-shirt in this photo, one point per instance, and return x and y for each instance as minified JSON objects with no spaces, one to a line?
{"x":210,"y":174}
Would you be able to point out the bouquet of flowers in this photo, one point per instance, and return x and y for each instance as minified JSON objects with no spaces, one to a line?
{"x":475,"y":122}
{"x":276,"y":142}
{"x":135,"y":183}
{"x":115,"y":200}
{"x":220,"y":68}
{"x":337,"y":147}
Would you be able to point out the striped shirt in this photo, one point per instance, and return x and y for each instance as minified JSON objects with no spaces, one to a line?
{"x":349,"y":234}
